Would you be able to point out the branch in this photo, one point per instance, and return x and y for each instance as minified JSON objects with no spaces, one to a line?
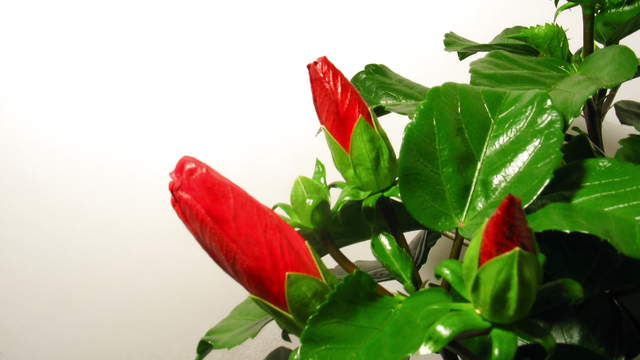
{"x":344,"y":261}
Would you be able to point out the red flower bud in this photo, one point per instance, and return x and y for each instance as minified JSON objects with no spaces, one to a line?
{"x":506,"y":230}
{"x":247,"y":239}
{"x":337,"y":102}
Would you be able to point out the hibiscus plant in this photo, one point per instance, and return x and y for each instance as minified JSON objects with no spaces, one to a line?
{"x":550,"y":224}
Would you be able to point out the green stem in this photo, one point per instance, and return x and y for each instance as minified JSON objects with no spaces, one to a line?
{"x":392,"y":223}
{"x":592,"y":112}
{"x":456,"y":249}
{"x":345,"y":263}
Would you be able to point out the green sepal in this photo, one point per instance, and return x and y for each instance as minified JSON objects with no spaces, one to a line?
{"x":341,"y":158}
{"x":561,"y":292}
{"x":243,"y":322}
{"x":472,"y":259}
{"x":285,"y":320}
{"x":328,"y":277}
{"x":304,"y":294}
{"x":394,"y":258}
{"x":290,"y":216}
{"x":320,"y":172}
{"x":310,"y":202}
{"x":504,"y":289}
{"x":451,"y":271}
{"x":448,"y":327}
{"x":504,"y":344}
{"x":373,"y":159}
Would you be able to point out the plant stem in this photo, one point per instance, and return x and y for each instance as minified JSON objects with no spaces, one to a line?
{"x":344,"y":262}
{"x":390,"y":216}
{"x":592,"y":114}
{"x":456,"y":249}
{"x":448,"y":354}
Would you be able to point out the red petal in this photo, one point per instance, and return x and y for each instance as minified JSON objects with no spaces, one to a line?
{"x":506,"y":230}
{"x":247,"y":239}
{"x":337,"y":102}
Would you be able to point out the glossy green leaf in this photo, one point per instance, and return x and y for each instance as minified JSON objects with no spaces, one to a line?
{"x":328,"y":276}
{"x":385,"y":91}
{"x":550,"y":40}
{"x":320,"y":173}
{"x":304,"y":295}
{"x":588,"y":260}
{"x":532,"y":332}
{"x":569,"y":87}
{"x":603,"y":189}
{"x":614,"y":24}
{"x":372,"y":158}
{"x":598,"y":325}
{"x":451,"y":271}
{"x":628,"y":112}
{"x":503,"y":41}
{"x":280,"y":353}
{"x":394,"y":258}
{"x":504,"y":344}
{"x":356,"y":323}
{"x":349,"y":225}
{"x":505,"y":287}
{"x":578,"y":148}
{"x":310,"y":202}
{"x":420,"y":247}
{"x":563,"y":8}
{"x":561,"y":292}
{"x":629,"y":149}
{"x":448,"y":327}
{"x":244,"y":322}
{"x":462,"y":155}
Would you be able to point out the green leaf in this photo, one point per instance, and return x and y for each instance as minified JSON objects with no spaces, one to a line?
{"x":592,"y":262}
{"x":451,"y":271}
{"x":563,"y":8}
{"x":569,"y":87}
{"x":355,"y":323}
{"x":561,"y":292}
{"x":448,"y":327}
{"x":532,"y":332}
{"x":614,"y":24}
{"x":503,"y":41}
{"x":550,"y":40}
{"x":420,"y":247}
{"x":349,"y":225}
{"x":628,"y":112}
{"x":598,"y":325}
{"x":304,"y":295}
{"x":281,"y":353}
{"x":461,"y":156}
{"x":394,"y":258}
{"x":310,"y":201}
{"x":504,"y":289}
{"x":386,"y":91}
{"x":630,"y":149}
{"x":504,"y":344}
{"x":602,"y":189}
{"x":244,"y":322}
{"x":579,"y":147}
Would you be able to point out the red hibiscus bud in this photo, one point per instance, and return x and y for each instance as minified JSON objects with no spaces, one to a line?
{"x":337,"y":102}
{"x":247,"y":239}
{"x":506,"y":230}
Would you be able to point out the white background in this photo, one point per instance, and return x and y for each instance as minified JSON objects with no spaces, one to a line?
{"x":99,"y":99}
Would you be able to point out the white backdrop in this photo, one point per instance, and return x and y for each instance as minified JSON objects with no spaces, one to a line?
{"x":99,"y":99}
